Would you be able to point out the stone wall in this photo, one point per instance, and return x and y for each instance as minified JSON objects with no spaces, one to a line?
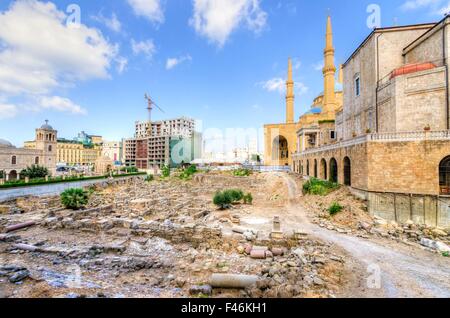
{"x":406,"y":167}
{"x":420,"y":209}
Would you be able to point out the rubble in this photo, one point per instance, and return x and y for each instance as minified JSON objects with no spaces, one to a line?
{"x":159,"y":239}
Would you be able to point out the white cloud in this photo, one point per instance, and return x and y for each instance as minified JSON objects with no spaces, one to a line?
{"x":149,"y":9}
{"x":318,"y":66}
{"x":146,"y":47}
{"x":173,"y":62}
{"x":39,"y":52}
{"x":60,"y":104}
{"x":278,"y":84}
{"x":7,"y":111}
{"x":418,"y":4}
{"x":217,"y":19}
{"x":435,"y":7}
{"x":111,"y":23}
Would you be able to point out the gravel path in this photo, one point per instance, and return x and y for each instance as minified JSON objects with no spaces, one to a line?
{"x":405,"y":271}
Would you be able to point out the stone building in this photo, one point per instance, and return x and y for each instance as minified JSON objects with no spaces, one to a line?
{"x":281,"y":139}
{"x":83,"y":150}
{"x":13,"y":160}
{"x":392,"y":137}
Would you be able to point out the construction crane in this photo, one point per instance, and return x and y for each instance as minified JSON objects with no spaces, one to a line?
{"x":151,"y":103}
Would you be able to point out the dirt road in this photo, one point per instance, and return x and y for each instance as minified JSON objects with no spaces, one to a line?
{"x":376,"y":267}
{"x":405,"y":271}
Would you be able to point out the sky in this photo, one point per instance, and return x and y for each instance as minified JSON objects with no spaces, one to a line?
{"x":85,"y":65}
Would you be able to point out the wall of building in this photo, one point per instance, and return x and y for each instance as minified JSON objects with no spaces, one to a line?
{"x":406,"y":167}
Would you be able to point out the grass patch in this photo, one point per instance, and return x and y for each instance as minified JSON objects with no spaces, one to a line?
{"x":319,"y":187}
{"x":242,"y":172}
{"x":335,"y":208}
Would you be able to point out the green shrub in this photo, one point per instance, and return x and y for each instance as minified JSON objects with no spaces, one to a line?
{"x":248,"y":198}
{"x":130,"y":169}
{"x":34,"y":172}
{"x":149,"y":178}
{"x":235,"y":194}
{"x":186,"y":174}
{"x":335,"y":208}
{"x":74,"y":198}
{"x":446,"y":254}
{"x":165,"y":171}
{"x":222,"y":199}
{"x":319,"y":187}
{"x":242,"y":172}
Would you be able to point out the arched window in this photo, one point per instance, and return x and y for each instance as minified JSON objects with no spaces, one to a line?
{"x":315,"y":168}
{"x":444,"y":176}
{"x":50,"y":148}
{"x":333,"y":170}
{"x":307,"y":167}
{"x":14,"y":160}
{"x":36,"y":160}
{"x":347,"y":171}
{"x":324,"y":169}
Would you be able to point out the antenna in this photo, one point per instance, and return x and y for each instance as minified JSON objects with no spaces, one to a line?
{"x":150,"y":106}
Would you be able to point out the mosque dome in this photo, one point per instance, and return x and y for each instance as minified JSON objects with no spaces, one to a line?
{"x":5,"y":143}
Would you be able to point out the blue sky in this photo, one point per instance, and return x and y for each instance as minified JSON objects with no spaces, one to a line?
{"x":219,"y":61}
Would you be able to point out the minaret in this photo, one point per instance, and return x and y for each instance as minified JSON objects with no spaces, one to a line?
{"x":290,"y":95}
{"x":329,"y":72}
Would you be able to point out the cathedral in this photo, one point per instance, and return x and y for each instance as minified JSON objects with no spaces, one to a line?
{"x":281,"y":139}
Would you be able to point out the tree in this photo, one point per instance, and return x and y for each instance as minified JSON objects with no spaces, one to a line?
{"x":74,"y":198}
{"x":34,"y":172}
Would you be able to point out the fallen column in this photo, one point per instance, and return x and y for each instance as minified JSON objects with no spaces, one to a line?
{"x":235,"y":281}
{"x":20,"y":226}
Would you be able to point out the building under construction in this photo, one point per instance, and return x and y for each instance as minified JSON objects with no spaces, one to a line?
{"x":168,"y":142}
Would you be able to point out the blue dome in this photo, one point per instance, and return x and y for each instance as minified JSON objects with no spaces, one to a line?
{"x":5,"y":143}
{"x":46,"y":126}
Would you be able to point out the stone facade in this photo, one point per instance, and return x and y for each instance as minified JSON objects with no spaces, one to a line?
{"x":13,"y":160}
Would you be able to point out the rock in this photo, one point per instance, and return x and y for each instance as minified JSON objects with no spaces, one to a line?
{"x":203,"y":289}
{"x":269,"y":254}
{"x":379,"y":221}
{"x":249,"y":236}
{"x":277,"y":251}
{"x":436,"y":245}
{"x":248,"y":249}
{"x":299,"y":252}
{"x":318,"y":281}
{"x":19,"y":276}
{"x":241,"y":249}
{"x":438,"y":232}
{"x":180,"y":282}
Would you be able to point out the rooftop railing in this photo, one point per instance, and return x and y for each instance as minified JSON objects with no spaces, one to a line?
{"x":383,"y":137}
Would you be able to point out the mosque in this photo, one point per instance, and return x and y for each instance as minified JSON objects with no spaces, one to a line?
{"x":281,"y":139}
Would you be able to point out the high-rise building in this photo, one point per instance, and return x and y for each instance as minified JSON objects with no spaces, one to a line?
{"x":168,"y":142}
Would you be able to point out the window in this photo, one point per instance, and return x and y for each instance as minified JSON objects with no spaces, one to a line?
{"x":444,"y":176}
{"x":50,"y":148}
{"x":36,"y":160}
{"x":332,"y":134}
{"x":357,"y":86}
{"x":14,"y":160}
